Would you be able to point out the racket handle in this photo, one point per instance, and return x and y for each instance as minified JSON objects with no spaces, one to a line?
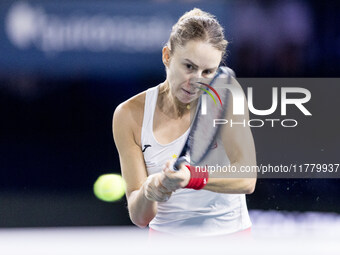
{"x":178,"y":163}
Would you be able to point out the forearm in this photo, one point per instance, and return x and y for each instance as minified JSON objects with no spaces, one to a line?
{"x":233,"y":183}
{"x":141,"y":210}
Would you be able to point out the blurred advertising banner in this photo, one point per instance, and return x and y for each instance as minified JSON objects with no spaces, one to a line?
{"x":88,"y":36}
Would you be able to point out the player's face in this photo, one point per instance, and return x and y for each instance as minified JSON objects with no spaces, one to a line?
{"x":196,"y":59}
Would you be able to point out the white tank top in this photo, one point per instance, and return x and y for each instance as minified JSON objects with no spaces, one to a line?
{"x":189,"y":212}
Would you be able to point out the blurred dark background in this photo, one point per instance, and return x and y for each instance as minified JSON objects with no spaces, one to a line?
{"x":66,"y":65}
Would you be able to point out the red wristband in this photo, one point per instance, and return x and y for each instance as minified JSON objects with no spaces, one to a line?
{"x":198,"y":179}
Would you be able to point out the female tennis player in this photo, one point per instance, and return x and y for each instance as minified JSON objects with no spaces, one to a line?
{"x":151,"y":128}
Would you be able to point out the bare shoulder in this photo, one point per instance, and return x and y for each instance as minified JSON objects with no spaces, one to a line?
{"x":132,"y":107}
{"x":128,"y":116}
{"x":126,"y":127}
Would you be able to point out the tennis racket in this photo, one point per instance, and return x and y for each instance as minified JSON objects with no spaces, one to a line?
{"x":202,"y":132}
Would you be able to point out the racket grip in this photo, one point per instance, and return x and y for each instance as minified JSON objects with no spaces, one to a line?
{"x":178,"y":163}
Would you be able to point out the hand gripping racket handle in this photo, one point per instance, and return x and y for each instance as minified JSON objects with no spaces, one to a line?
{"x":178,"y":162}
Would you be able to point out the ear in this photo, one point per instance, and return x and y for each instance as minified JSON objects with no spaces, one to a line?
{"x":166,"y":56}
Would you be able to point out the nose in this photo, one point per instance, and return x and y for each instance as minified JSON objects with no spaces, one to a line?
{"x":195,"y":77}
{"x":197,"y":74}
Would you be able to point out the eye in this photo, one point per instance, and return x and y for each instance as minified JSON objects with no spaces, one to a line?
{"x":189,"y":66}
{"x":208,"y":72}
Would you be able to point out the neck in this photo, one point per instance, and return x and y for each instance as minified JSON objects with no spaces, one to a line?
{"x":170,"y":105}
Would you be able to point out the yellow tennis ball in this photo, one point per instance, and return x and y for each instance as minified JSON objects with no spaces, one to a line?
{"x":109,"y":187}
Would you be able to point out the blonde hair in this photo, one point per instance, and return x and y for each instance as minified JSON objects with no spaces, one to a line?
{"x":197,"y":25}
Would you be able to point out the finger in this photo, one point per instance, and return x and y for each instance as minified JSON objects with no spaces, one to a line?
{"x":151,"y":192}
{"x":183,"y":166}
{"x":166,"y":185}
{"x":149,"y":195}
{"x":167,"y":196}
{"x":163,"y":189}
{"x":154,"y":195}
{"x":168,"y":163}
{"x":168,"y":172}
{"x":162,"y":197}
{"x":167,"y":166}
{"x":158,"y":189}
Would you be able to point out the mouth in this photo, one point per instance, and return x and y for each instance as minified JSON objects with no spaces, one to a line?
{"x":189,"y":93}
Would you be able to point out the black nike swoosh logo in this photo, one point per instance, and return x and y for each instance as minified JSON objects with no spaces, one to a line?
{"x":146,"y":146}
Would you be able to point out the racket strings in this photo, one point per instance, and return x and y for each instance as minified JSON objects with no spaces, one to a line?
{"x":203,"y":132}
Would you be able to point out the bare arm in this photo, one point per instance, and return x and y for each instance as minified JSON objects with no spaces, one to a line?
{"x":239,"y":146}
{"x":141,"y":210}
